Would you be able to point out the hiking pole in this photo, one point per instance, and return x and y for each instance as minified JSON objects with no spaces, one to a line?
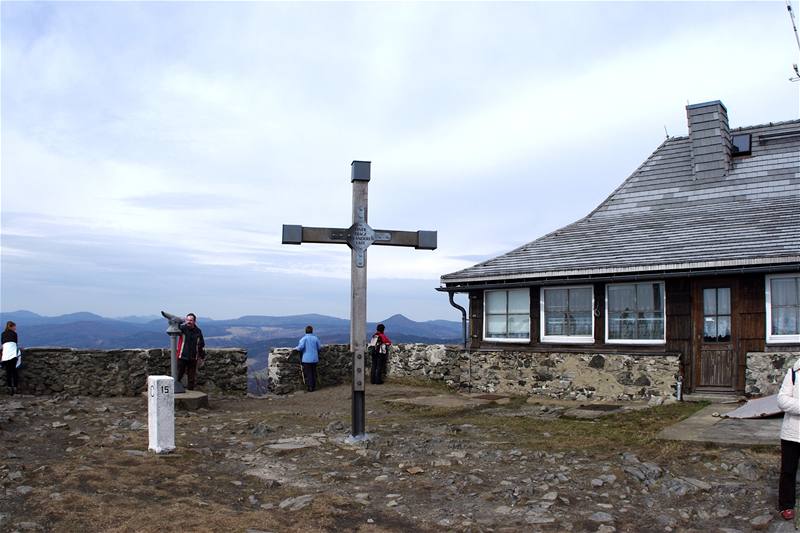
{"x":302,"y":374}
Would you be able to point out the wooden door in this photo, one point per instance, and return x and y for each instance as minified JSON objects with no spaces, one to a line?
{"x":715,"y":336}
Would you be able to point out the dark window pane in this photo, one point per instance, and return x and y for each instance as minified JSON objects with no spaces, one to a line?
{"x":580,"y":299}
{"x":581,"y":324}
{"x":554,"y":324}
{"x":555,"y":300}
{"x":724,"y":301}
{"x":784,"y":291}
{"x":785,"y":321}
{"x":709,"y":301}
{"x":621,"y":297}
{"x":496,"y":326}
{"x":741,"y":144}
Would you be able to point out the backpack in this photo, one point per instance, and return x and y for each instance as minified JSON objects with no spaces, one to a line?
{"x":373,"y":348}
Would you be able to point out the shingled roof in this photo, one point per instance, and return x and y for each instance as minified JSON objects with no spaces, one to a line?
{"x":668,"y":216}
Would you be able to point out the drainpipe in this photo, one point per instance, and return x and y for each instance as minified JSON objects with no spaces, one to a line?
{"x":464,"y":328}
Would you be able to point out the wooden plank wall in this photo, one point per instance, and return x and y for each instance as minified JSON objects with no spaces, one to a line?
{"x":752,"y":320}
{"x":679,"y":323}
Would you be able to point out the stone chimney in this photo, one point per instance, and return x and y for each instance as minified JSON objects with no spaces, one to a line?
{"x":711,"y":139}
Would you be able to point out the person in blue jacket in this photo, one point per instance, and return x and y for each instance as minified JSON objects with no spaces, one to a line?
{"x":309,"y":347}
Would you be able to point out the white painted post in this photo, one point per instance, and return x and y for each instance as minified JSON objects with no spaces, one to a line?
{"x":161,"y":413}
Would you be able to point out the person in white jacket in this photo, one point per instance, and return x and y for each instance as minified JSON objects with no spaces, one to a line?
{"x":789,"y":402}
{"x":11,"y":352}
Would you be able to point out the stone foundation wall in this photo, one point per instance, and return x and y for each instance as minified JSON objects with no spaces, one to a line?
{"x":553,"y":375}
{"x":121,"y":372}
{"x":765,"y":371}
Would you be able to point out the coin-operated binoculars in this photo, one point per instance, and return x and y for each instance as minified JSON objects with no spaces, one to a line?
{"x":173,"y":330}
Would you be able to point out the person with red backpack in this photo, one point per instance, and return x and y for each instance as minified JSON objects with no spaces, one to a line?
{"x":379,"y":350}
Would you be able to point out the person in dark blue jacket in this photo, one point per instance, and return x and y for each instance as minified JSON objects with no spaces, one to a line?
{"x":309,"y":347}
{"x":191,"y":350}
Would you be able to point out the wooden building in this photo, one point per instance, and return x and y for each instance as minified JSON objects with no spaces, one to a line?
{"x":696,"y":254}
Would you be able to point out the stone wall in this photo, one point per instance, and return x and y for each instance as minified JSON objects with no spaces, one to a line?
{"x":121,"y":372}
{"x":553,"y":375}
{"x":765,"y":371}
{"x":285,"y":374}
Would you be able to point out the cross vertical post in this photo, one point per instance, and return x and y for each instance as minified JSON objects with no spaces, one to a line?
{"x":359,"y":177}
{"x":359,"y":236}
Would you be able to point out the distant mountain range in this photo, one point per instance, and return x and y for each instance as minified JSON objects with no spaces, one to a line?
{"x":257,"y":334}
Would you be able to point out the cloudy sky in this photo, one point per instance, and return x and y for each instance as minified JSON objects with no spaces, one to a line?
{"x":152,"y":151}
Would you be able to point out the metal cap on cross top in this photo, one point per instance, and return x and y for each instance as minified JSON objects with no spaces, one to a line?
{"x":359,"y":236}
{"x":360,"y":171}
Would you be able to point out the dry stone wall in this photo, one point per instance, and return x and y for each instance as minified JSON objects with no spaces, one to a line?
{"x":121,"y":372}
{"x":765,"y":371}
{"x":554,"y":375}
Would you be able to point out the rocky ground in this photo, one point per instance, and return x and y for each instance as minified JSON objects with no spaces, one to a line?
{"x":283,"y":464}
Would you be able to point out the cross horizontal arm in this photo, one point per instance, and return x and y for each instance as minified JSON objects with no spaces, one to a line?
{"x":299,"y":234}
{"x":421,"y":240}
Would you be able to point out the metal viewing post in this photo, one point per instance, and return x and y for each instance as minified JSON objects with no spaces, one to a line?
{"x":173,"y":330}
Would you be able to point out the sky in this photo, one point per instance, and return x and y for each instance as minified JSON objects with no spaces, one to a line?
{"x":151,"y":152}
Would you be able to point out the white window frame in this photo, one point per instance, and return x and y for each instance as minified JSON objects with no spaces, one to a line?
{"x":519,"y":340}
{"x":663,"y":340}
{"x":564,"y":339}
{"x":776,"y":339}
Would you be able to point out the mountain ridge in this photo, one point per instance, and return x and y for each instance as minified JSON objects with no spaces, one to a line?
{"x":255,"y":333}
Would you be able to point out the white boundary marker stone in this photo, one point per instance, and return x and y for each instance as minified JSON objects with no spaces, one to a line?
{"x":161,"y":413}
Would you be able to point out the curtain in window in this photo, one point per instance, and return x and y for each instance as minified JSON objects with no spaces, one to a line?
{"x":635,"y":311}
{"x":785,"y":305}
{"x":508,"y":314}
{"x":568,"y":312}
{"x":717,"y":314}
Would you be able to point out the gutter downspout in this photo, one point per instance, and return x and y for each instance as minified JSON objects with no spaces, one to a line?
{"x":464,"y":328}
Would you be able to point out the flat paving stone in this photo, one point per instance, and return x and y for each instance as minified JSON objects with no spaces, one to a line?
{"x":703,"y":426}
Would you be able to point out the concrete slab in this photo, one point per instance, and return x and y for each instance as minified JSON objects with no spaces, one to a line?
{"x":757,"y":408}
{"x":191,"y":400}
{"x":704,"y":426}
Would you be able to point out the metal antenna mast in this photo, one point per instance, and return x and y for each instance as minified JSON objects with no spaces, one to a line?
{"x":796,"y":38}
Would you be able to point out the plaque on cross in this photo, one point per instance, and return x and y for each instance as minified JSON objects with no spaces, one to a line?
{"x":359,"y":236}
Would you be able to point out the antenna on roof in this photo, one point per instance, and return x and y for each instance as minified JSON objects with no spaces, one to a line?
{"x":665,"y":131}
{"x":796,"y":38}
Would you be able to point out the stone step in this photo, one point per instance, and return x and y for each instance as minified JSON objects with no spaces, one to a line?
{"x":714,"y":397}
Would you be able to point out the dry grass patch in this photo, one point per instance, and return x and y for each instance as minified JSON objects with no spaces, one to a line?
{"x":606,"y":436}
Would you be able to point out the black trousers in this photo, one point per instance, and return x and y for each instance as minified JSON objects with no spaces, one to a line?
{"x":189,"y":367}
{"x":10,"y":367}
{"x":378,"y":368}
{"x":790,"y":452}
{"x":310,"y":376}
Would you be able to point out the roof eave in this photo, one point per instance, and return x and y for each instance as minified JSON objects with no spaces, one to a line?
{"x":697,"y":265}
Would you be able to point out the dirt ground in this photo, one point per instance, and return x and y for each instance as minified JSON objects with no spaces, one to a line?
{"x":283,"y":464}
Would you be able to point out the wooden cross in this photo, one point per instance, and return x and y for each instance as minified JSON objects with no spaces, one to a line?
{"x":359,"y":236}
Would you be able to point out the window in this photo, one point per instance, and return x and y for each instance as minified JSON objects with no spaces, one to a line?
{"x":635,"y":313}
{"x":507,"y":315}
{"x":740,"y":144}
{"x":717,"y":314}
{"x":783,"y":308}
{"x":567,"y":314}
